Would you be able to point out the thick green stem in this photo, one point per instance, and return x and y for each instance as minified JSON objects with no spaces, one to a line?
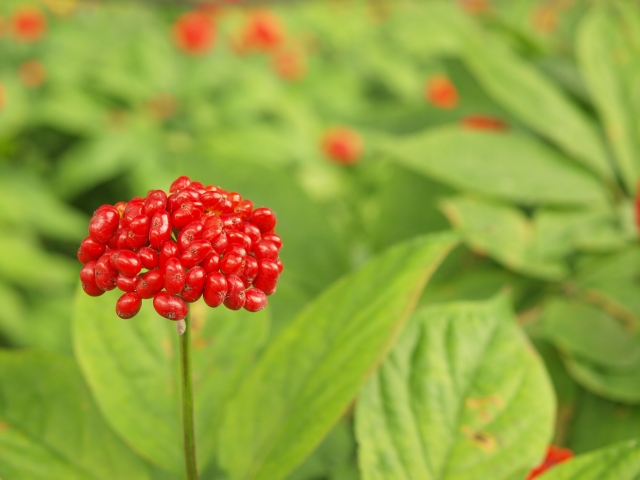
{"x":187,"y":403}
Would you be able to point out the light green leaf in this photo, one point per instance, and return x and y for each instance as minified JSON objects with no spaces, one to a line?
{"x":508,"y":166}
{"x":535,"y":100}
{"x":132,"y":369}
{"x":617,"y":462}
{"x":605,"y":57}
{"x":504,"y":233}
{"x":50,"y":428}
{"x":615,"y":383}
{"x":462,"y":394}
{"x":311,"y":372}
{"x":590,"y":333}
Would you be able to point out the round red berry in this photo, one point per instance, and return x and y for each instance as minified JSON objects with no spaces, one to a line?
{"x":104,"y":223}
{"x":170,"y":306}
{"x":235,"y":293}
{"x":150,"y":283}
{"x":263,"y":218}
{"x":215,"y":289}
{"x":194,"y":284}
{"x":174,"y":276}
{"x":126,"y":262}
{"x":128,"y":305}
{"x":255,"y":300}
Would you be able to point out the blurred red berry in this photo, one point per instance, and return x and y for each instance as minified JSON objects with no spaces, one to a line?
{"x":28,"y":24}
{"x":262,"y":31}
{"x":554,"y":456}
{"x":483,"y":122}
{"x":342,"y":145}
{"x":194,"y":32}
{"x":442,"y":93}
{"x":289,"y":64}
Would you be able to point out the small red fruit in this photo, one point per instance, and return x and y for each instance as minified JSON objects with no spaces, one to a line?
{"x":104,"y":223}
{"x":342,"y":145}
{"x":235,"y":293}
{"x":127,"y":283}
{"x":255,"y":300}
{"x":194,"y":284}
{"x":106,"y":275}
{"x":150,"y":283}
{"x":554,"y":456}
{"x":128,"y":305}
{"x":126,"y":262}
{"x":170,"y":306}
{"x":174,"y":276}
{"x":215,"y":289}
{"x":149,"y":257}
{"x":160,"y":229}
{"x":88,"y":280}
{"x":194,"y":33}
{"x":28,"y":24}
{"x":264,"y":219}
{"x":90,"y":249}
{"x":441,"y":92}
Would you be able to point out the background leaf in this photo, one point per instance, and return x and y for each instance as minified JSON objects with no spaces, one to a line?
{"x":310,"y":373}
{"x":448,"y":403}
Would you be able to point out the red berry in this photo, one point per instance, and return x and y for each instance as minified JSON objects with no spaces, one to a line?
{"x":121,"y":240}
{"x":231,"y":221}
{"x":235,"y":293}
{"x":237,"y":239}
{"x":342,"y":145}
{"x":134,"y":208}
{"x":127,"y":283}
{"x":90,"y":249}
{"x":441,"y":92}
{"x":128,"y":305}
{"x":156,"y":200}
{"x":196,"y":253}
{"x":187,"y":213}
{"x":179,"y":183}
{"x":126,"y":262}
{"x":104,"y":223}
{"x":88,"y":280}
{"x":136,"y":241}
{"x":267,"y":285}
{"x":264,"y":219}
{"x":211,"y":263}
{"x":243,"y":209}
{"x":105,"y":273}
{"x":265,"y":249}
{"x":150,"y":283}
{"x":250,"y":271}
{"x":252,"y":232}
{"x":140,"y":225}
{"x":194,"y":33}
{"x":169,"y":250}
{"x":174,"y":276}
{"x":255,"y":300}
{"x":149,"y":258}
{"x":268,"y":268}
{"x":189,"y":234}
{"x":160,"y":229}
{"x":28,"y":24}
{"x":194,"y":284}
{"x":170,"y":306}
{"x":221,"y":243}
{"x":215,"y":289}
{"x":232,"y":263}
{"x":273,"y":238}
{"x":280,"y":265}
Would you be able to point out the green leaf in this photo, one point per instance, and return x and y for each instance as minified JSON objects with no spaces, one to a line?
{"x":590,"y":333}
{"x":463,"y":393}
{"x":132,"y":370}
{"x":311,"y":372}
{"x":535,"y":100}
{"x":508,"y":166}
{"x":50,"y":428}
{"x":617,"y":462}
{"x":605,"y":58}
{"x":504,"y":233}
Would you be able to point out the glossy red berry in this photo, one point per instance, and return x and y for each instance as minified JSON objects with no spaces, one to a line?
{"x":194,"y":284}
{"x":127,"y":283}
{"x":235,"y":293}
{"x":273,"y":238}
{"x":90,"y":249}
{"x":149,"y":258}
{"x":250,"y":271}
{"x":128,"y":305}
{"x":150,"y":283}
{"x":195,"y":253}
{"x":266,"y":284}
{"x":215,"y":289}
{"x":169,"y":250}
{"x":126,"y":262}
{"x":174,"y":276}
{"x":189,"y":234}
{"x":265,"y":249}
{"x":255,"y":300}
{"x":233,"y":263}
{"x":160,"y":229}
{"x":179,"y":183}
{"x":104,"y":223}
{"x":88,"y":280}
{"x":170,"y":306}
{"x":264,"y":219}
{"x":187,"y":213}
{"x":211,"y":263}
{"x":156,"y":201}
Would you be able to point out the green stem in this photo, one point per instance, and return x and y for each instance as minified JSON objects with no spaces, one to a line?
{"x":187,"y":403}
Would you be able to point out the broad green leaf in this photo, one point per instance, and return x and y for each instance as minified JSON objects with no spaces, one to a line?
{"x":310,"y":373}
{"x":26,"y":202}
{"x":462,"y":394}
{"x":50,"y":428}
{"x":597,"y":422}
{"x":617,"y":462}
{"x":508,"y":166}
{"x":535,"y":100}
{"x":616,"y":383}
{"x":612,"y":283}
{"x":504,"y":233}
{"x":590,"y":333}
{"x":132,"y":369}
{"x":605,"y":58}
{"x":26,"y":264}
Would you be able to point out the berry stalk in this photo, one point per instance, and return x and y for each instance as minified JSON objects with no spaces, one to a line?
{"x":187,"y":403}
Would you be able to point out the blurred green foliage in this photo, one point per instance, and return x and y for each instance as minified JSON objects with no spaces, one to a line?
{"x":534,"y":165}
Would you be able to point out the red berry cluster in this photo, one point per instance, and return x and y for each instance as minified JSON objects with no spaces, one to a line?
{"x":197,"y":241}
